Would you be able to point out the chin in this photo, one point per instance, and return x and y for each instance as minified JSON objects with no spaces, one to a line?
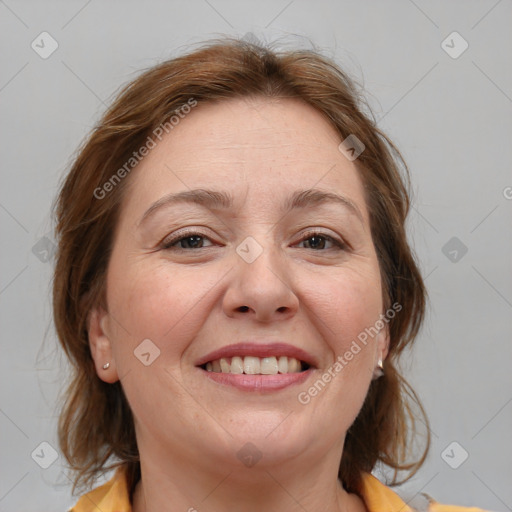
{"x":264,"y":438}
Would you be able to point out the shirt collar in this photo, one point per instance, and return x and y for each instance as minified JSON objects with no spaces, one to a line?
{"x":114,"y":497}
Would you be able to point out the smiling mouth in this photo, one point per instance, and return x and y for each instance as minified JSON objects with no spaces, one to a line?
{"x":251,"y":365}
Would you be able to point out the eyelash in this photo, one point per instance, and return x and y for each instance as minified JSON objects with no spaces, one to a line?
{"x":168,"y":244}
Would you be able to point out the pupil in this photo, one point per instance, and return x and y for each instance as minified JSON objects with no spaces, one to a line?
{"x":195,"y":240}
{"x":317,"y":239}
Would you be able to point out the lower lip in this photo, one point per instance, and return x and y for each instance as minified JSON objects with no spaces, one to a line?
{"x":259,"y":382}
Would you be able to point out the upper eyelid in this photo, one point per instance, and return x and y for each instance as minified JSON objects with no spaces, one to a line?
{"x":337,"y":240}
{"x":170,"y":240}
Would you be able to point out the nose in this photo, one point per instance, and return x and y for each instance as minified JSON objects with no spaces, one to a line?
{"x":262,"y":289}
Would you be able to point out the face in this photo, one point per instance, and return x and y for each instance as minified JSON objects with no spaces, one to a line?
{"x":274,"y":276}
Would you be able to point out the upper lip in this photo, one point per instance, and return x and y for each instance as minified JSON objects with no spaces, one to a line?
{"x":259,"y":350}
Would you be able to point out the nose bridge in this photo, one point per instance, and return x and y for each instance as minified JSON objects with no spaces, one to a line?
{"x":261,"y":283}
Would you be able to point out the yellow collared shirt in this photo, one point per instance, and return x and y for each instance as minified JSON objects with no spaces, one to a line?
{"x":114,"y":497}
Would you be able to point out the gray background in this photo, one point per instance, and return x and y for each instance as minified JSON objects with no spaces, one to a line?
{"x":449,"y":116}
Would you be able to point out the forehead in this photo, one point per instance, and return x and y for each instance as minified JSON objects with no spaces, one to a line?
{"x":269,"y":128}
{"x":249,"y":146}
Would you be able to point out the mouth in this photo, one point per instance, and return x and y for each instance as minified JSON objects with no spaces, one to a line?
{"x":255,"y":367}
{"x":251,"y":365}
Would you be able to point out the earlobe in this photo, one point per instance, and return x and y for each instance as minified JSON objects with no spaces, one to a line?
{"x":100,"y":345}
{"x":381,"y":349}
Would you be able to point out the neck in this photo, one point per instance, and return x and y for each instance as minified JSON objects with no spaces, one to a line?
{"x":290,"y":487}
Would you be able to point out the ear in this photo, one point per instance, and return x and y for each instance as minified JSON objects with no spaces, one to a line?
{"x":383,"y":343}
{"x":100,"y":345}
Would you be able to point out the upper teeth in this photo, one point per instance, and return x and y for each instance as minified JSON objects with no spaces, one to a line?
{"x":255,"y":365}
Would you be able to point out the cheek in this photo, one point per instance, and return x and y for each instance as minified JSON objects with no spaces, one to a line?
{"x":153,"y":302}
{"x":346,"y":309}
{"x":347,"y":303}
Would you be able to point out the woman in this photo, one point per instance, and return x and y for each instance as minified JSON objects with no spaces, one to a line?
{"x":234,"y":288}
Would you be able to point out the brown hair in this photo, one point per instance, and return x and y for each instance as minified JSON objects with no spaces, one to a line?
{"x":96,"y":428}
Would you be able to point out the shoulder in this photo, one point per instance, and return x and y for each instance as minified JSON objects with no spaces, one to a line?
{"x":110,"y":497}
{"x":438,"y":507}
{"x":434,"y":506}
{"x":378,"y":497}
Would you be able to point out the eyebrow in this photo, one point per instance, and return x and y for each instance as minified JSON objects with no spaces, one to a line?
{"x":214,"y":199}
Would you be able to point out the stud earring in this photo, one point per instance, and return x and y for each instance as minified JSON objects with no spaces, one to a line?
{"x":379,"y":370}
{"x":106,"y":366}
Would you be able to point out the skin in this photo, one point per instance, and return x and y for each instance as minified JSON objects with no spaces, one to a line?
{"x":305,"y":292}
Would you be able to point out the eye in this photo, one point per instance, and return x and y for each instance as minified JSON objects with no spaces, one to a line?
{"x":185,"y":241}
{"x":318,"y":241}
{"x":190,"y":240}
